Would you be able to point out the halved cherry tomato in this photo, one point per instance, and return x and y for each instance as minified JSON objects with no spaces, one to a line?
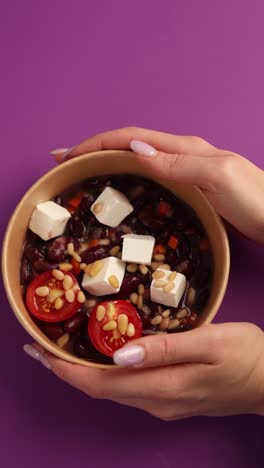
{"x":44,"y":307}
{"x":113,"y":324}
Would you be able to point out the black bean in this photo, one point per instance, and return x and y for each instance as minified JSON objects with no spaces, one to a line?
{"x":97,"y":252}
{"x":33,"y":254}
{"x":75,"y":323}
{"x":85,"y":206}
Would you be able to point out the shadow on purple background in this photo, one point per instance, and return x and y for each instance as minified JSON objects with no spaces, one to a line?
{"x":72,"y":69}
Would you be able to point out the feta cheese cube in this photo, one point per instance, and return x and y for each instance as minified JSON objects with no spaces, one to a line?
{"x":49,"y":220}
{"x":111,"y":207}
{"x":99,"y":284}
{"x":138,"y":248}
{"x":166,"y":289}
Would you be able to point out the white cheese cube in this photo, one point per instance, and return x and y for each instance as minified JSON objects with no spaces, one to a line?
{"x":49,"y":220}
{"x":111,"y":207}
{"x":99,"y":285}
{"x":138,"y":248}
{"x":174,"y":295}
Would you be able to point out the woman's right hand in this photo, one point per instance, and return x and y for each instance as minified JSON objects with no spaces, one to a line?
{"x":233,"y":185}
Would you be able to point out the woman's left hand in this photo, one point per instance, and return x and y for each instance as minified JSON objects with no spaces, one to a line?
{"x":214,"y":370}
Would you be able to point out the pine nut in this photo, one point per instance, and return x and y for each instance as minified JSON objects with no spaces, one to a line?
{"x":159,"y":283}
{"x":159,"y":257}
{"x":191,"y":296}
{"x":81,"y":297}
{"x":122,"y":323}
{"x":76,"y":257}
{"x":67,"y":282}
{"x":132,"y":267}
{"x":83,"y":266}
{"x":130,"y":330}
{"x":97,"y":208}
{"x":113,"y":280}
{"x":158,"y":274}
{"x":140,"y":302}
{"x":65,"y":266}
{"x":100,"y":313}
{"x":59,"y":275}
{"x":172,"y":276}
{"x":58,"y":303}
{"x":70,"y":248}
{"x":63,"y":340}
{"x":168,"y":287}
{"x":104,"y":241}
{"x":164,"y":324}
{"x":96,"y":267}
{"x":54,"y":294}
{"x":111,"y":325}
{"x":69,"y":295}
{"x":174,"y":324}
{"x":166,"y":313}
{"x":133,"y":298}
{"x":146,"y":309}
{"x":141,"y":289}
{"x":43,"y":291}
{"x":143,"y":269}
{"x":165,"y":266}
{"x":111,"y":313}
{"x":76,"y":287}
{"x":156,"y":320}
{"x":114,"y":250}
{"x":182,"y":313}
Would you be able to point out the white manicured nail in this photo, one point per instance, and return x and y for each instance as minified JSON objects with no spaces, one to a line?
{"x":59,"y":151}
{"x":129,"y":355}
{"x":143,"y":149}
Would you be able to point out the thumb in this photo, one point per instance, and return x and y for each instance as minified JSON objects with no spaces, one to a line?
{"x":163,"y":350}
{"x":181,"y":167}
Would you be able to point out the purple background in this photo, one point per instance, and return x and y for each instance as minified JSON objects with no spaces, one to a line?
{"x":70,"y":69}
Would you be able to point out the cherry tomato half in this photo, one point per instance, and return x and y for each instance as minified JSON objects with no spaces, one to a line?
{"x":44,"y":307}
{"x":113,"y":324}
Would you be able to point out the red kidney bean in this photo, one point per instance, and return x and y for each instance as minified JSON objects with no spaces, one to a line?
{"x":26,"y":272}
{"x":41,"y":265}
{"x":33,"y":254}
{"x":97,"y":252}
{"x":129,"y":284}
{"x":75,"y":226}
{"x":53,"y":330}
{"x":57,"y":249}
{"x":73,"y":324}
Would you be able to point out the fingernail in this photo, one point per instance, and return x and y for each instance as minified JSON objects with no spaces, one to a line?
{"x":31,"y":351}
{"x":143,"y":149}
{"x":44,"y":362}
{"x":129,"y":356}
{"x":59,"y":151}
{"x":35,"y":354}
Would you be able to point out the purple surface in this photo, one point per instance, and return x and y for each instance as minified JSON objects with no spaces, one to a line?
{"x":69,"y":70}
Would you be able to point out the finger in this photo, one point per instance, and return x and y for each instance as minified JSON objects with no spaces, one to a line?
{"x":121,"y":138}
{"x":181,"y":167}
{"x":195,"y":346}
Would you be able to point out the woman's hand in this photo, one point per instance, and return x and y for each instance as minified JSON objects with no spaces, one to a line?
{"x":233,"y":185}
{"x":213,"y":370}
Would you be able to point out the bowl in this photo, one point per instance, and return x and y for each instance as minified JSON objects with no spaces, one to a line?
{"x":74,"y":171}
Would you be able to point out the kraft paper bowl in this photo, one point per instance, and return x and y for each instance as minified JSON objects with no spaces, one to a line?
{"x":71,"y":172}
